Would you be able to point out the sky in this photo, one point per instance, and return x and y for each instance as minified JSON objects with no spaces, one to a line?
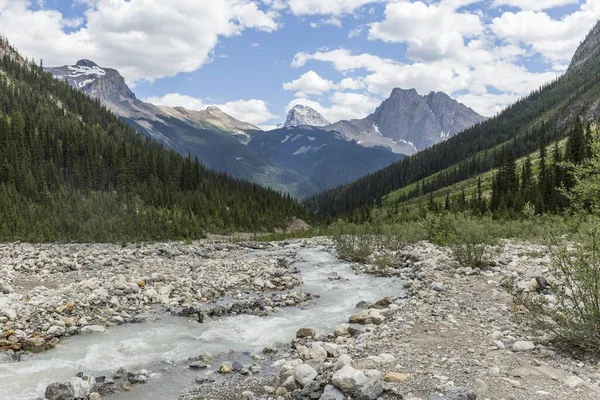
{"x":256,"y":59}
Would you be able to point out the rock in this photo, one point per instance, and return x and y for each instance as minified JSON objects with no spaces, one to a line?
{"x":574,"y":382}
{"x":332,"y":393}
{"x":341,"y":330}
{"x":9,"y":313}
{"x":384,"y":303}
{"x":395,"y":377}
{"x":94,"y":396}
{"x":34,"y":345}
{"x":436,"y":286}
{"x":198,"y":365}
{"x":55,"y":331}
{"x":93,"y":329}
{"x":304,"y":374}
{"x":370,"y":316}
{"x":342,"y":361}
{"x":434,"y":396}
{"x":81,"y":389}
{"x":460,"y":393}
{"x":523,"y":346}
{"x":370,"y":390}
{"x":305,"y":333}
{"x":333,"y":349}
{"x":348,"y":379}
{"x":59,"y":391}
{"x":542,"y":283}
{"x":224,"y":369}
{"x":290,"y":384}
{"x":356,"y":329}
{"x":206,"y":357}
{"x":317,"y":352}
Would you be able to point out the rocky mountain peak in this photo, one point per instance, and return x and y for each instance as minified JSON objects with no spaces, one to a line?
{"x":86,"y":63}
{"x":301,"y":115}
{"x":587,"y":49}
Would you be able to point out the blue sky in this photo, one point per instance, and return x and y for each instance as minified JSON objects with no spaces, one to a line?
{"x":257,"y":58}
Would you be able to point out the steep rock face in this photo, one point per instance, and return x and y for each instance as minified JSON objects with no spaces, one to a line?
{"x":304,"y":116}
{"x":407,"y":122}
{"x":588,"y":48}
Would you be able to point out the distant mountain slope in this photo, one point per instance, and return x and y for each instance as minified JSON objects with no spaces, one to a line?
{"x":475,"y":150}
{"x":220,"y":141}
{"x":326,"y":159}
{"x":73,"y":171}
{"x":408,"y":122}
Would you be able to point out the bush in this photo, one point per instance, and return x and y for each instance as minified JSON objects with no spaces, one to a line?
{"x":471,"y":241}
{"x":354,"y":248}
{"x":571,"y":308}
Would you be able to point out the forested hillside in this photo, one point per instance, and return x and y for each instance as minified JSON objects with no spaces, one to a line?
{"x":71,"y":170}
{"x":541,"y":118}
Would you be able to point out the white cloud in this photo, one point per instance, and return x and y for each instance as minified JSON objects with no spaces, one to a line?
{"x":433,"y":31}
{"x":253,"y":111}
{"x":326,"y":7}
{"x":555,"y":39}
{"x":535,"y":5}
{"x":309,"y":83}
{"x":144,"y":39}
{"x":343,"y":106}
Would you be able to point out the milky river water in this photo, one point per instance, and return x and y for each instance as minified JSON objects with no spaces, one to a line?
{"x":174,"y":339}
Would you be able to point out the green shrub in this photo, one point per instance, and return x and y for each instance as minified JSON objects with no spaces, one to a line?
{"x":471,"y":241}
{"x":571,"y":309}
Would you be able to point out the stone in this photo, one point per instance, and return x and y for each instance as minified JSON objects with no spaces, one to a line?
{"x":333,"y":349}
{"x":34,"y":345}
{"x":317,"y":352}
{"x":224,"y":369}
{"x":348,"y":379}
{"x":436,"y":286}
{"x":370,"y":316}
{"x":81,"y":389}
{"x":94,"y":396}
{"x":341,"y":330}
{"x":206,"y":357}
{"x":460,"y":393}
{"x":332,"y":393}
{"x":290,"y":384}
{"x":305,"y":333}
{"x":198,"y":365}
{"x":59,"y":391}
{"x":395,"y":377}
{"x":55,"y":331}
{"x":434,"y":396}
{"x":370,"y":390}
{"x":9,"y":313}
{"x":520,"y":346}
{"x":384,"y":303}
{"x":356,"y":329}
{"x":304,"y":374}
{"x":499,"y":345}
{"x":93,"y":329}
{"x":342,"y":361}
{"x":574,"y":382}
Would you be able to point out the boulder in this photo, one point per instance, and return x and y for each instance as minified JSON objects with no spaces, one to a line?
{"x":370,"y":390}
{"x":305,"y":333}
{"x":34,"y":345}
{"x":317,"y":352}
{"x":304,"y":374}
{"x":9,"y":313}
{"x":370,"y":316}
{"x":81,"y":389}
{"x":59,"y":391}
{"x":93,"y":329}
{"x":332,"y":393}
{"x":348,"y":379}
{"x":523,"y":346}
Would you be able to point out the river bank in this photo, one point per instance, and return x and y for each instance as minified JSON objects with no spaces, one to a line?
{"x":435,"y":330}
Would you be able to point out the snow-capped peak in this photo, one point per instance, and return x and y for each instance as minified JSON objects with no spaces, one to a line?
{"x":305,"y":116}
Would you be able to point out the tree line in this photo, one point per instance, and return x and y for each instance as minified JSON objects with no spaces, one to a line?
{"x":72,"y":170}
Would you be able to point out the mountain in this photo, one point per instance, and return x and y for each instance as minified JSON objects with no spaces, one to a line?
{"x":301,"y":115}
{"x":222,"y":142}
{"x":70,"y":170}
{"x":408,"y":122}
{"x":326,"y":159}
{"x":540,"y":119}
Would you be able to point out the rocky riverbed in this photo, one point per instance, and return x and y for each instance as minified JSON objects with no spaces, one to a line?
{"x":438,"y":333}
